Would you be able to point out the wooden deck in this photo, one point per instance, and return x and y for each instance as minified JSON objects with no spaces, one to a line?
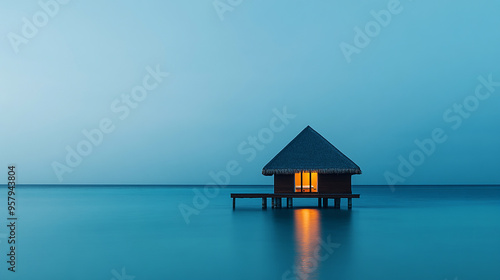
{"x":276,"y":198}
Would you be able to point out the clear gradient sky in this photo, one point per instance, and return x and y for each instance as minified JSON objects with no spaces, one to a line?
{"x":231,"y":70}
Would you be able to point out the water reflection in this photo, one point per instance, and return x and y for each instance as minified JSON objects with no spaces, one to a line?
{"x":322,"y":246}
{"x":298,"y":243}
{"x":307,"y":245}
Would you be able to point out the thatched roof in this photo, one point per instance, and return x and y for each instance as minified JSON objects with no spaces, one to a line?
{"x":309,"y":151}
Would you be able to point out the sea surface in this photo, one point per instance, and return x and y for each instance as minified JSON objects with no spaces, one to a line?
{"x":140,"y":233}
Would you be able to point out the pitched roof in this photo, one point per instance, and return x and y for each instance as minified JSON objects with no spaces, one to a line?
{"x":309,"y":151}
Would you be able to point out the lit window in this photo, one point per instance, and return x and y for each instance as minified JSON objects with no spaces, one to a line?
{"x":298,"y":182}
{"x":306,"y":182}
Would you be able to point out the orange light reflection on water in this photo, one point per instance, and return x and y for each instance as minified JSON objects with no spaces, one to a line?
{"x":307,"y":235}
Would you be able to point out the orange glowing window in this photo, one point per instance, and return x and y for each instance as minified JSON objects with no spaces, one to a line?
{"x":314,"y":181}
{"x":298,"y":181}
{"x":306,"y":182}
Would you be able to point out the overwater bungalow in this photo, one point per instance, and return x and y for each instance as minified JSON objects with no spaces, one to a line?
{"x":311,"y":164}
{"x":308,"y":167}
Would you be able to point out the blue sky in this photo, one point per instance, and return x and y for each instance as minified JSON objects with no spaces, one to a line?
{"x":229,"y":72}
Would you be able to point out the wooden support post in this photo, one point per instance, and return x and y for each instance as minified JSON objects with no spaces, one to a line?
{"x":277,"y":199}
{"x":337,"y":203}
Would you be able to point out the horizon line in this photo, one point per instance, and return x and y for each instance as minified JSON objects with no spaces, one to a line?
{"x":242,"y":185}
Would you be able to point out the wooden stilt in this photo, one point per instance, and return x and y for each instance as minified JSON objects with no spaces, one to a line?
{"x":337,"y":203}
{"x":277,"y":199}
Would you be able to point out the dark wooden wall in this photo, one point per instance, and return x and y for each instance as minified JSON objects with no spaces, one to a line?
{"x":284,"y":183}
{"x":333,"y":183}
{"x":327,"y":183}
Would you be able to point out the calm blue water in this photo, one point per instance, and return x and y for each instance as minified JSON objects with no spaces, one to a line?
{"x":123,"y":232}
